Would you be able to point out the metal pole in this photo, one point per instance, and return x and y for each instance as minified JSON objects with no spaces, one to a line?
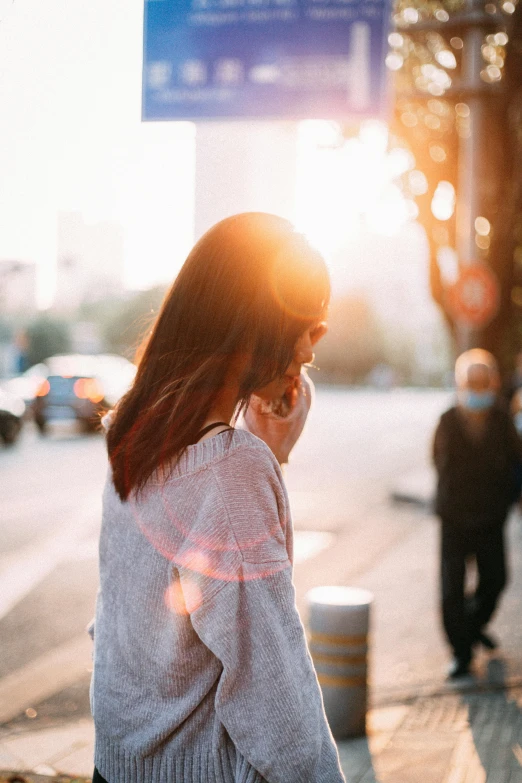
{"x":470,"y":153}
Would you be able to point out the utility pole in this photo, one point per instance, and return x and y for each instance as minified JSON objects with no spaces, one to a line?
{"x":471,"y":150}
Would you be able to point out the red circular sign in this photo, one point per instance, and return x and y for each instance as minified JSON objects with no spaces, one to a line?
{"x":474,"y":298}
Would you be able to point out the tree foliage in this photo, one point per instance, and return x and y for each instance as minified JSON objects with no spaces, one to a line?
{"x":432,"y":118}
{"x":46,"y":336}
{"x":125,"y":329}
{"x":354,"y":343}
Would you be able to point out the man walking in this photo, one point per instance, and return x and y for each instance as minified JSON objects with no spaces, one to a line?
{"x":477,"y":454}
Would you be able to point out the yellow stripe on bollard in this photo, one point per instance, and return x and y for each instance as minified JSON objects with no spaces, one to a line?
{"x":348,"y":641}
{"x":339,"y":660}
{"x":341,"y":682}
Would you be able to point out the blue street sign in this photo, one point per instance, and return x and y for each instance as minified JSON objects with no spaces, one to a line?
{"x":293,"y":59}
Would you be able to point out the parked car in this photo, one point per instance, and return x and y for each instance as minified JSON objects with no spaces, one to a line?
{"x":27,"y":384}
{"x":80,"y":387}
{"x":12,"y":409}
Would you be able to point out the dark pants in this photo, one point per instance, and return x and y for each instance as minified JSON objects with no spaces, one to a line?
{"x":97,"y":778}
{"x":465,"y":616}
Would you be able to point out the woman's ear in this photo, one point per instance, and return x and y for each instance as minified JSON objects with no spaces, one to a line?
{"x":317,"y":332}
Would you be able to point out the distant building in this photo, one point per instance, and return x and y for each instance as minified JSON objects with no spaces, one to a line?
{"x":17,"y":301}
{"x":89,"y":261}
{"x":17,"y":287}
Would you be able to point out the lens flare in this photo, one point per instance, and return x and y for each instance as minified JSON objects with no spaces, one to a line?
{"x":211,"y":553}
{"x":181,"y":599}
{"x":305,"y":299}
{"x":174,"y":600}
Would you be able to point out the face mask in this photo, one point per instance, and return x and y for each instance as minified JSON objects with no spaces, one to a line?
{"x":476,"y":401}
{"x":518,"y":422}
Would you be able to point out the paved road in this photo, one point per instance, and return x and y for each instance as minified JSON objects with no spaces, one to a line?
{"x":355,"y":448}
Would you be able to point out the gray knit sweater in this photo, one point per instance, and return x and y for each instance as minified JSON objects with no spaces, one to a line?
{"x":201,"y":670}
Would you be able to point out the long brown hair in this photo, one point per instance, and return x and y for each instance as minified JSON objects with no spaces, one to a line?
{"x":251,"y":286}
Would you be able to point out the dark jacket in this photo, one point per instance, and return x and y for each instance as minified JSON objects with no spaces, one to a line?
{"x":478,"y":479}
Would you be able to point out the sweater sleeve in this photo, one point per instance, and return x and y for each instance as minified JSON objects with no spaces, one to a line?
{"x":515,"y":442}
{"x":268,"y":697}
{"x":439,"y":447}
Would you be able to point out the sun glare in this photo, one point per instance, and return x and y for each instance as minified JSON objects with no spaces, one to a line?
{"x":347,"y":186}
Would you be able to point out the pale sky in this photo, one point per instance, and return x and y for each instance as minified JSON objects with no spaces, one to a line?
{"x":71,"y":136}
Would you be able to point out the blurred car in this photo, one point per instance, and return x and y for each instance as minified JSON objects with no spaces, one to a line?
{"x":12,"y":409}
{"x":27,"y":384}
{"x":80,"y":387}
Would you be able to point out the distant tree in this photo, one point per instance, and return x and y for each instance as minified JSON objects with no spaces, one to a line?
{"x":354,"y":343}
{"x":124,"y":332}
{"x":6,"y":331}
{"x":46,"y":336}
{"x":101,"y":311}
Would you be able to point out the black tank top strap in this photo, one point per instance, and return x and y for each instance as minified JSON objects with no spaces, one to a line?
{"x":210,"y":427}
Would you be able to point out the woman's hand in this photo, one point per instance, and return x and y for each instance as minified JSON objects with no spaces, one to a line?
{"x":291,"y":395}
{"x":281,"y":430}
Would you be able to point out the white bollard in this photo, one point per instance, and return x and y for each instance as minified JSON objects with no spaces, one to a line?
{"x":339,"y":622}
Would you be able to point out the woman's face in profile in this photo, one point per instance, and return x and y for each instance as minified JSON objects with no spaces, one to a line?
{"x":303,"y":354}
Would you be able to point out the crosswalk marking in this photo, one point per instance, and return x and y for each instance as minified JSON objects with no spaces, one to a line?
{"x":23,"y":570}
{"x":308,"y":543}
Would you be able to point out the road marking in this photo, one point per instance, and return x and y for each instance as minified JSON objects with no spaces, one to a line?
{"x":23,"y":570}
{"x":55,"y":503}
{"x":44,"y":676}
{"x":308,"y":543}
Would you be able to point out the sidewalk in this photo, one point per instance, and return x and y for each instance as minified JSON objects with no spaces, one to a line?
{"x":420,"y":729}
{"x":462,"y":737}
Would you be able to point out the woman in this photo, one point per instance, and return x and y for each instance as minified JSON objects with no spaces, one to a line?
{"x":201,"y":672}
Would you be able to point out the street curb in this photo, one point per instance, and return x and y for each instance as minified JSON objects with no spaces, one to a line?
{"x":389,"y":698}
{"x":416,"y":488}
{"x":30,"y":777}
{"x":397,"y":496}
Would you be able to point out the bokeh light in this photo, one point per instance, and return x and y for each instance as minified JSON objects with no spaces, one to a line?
{"x":396,"y":40}
{"x":482,"y":226}
{"x":443,"y":202}
{"x":394,"y":61}
{"x":448,"y":263}
{"x":446,"y":58}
